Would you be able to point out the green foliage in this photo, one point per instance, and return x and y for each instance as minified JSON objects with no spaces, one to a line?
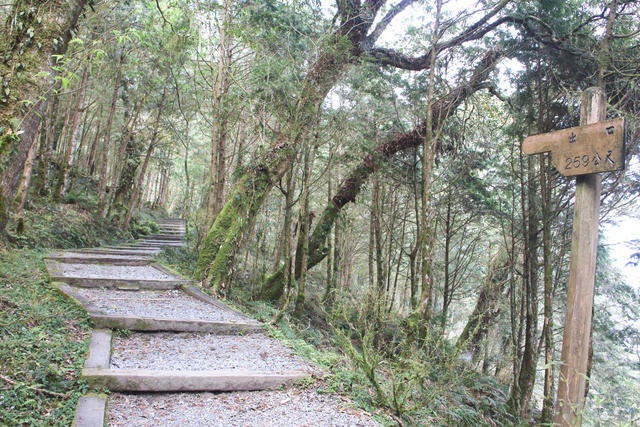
{"x":182,"y":259}
{"x":43,"y":346}
{"x":423,"y":383}
{"x":63,"y":226}
{"x":144,"y":228}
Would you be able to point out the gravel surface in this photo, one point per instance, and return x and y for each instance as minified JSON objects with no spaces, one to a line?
{"x":93,"y":271}
{"x":90,"y":255}
{"x":123,"y":250}
{"x":174,"y":304}
{"x":168,"y":351}
{"x":291,"y":408}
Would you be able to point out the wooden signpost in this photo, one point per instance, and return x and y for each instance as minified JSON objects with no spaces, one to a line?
{"x":584,"y":151}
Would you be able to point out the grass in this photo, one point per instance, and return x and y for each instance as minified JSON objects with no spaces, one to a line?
{"x":44,"y":342}
{"x":44,"y":337}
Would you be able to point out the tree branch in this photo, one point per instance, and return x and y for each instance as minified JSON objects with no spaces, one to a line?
{"x":370,"y":40}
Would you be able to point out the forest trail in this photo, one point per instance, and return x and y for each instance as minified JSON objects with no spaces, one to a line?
{"x":171,"y":355}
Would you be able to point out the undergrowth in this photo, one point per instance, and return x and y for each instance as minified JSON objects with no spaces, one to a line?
{"x":63,"y":226}
{"x":43,"y":345}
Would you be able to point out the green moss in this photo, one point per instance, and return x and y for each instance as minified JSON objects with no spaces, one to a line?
{"x":219,"y":266}
{"x":4,"y":215}
{"x":273,"y":287}
{"x":5,"y":142}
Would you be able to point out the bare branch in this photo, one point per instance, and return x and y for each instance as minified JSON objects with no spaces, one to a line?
{"x":384,"y":23}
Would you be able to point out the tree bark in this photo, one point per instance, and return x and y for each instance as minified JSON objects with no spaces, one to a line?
{"x":304,"y":224}
{"x":487,"y":307}
{"x":522,"y":391}
{"x":218,"y":78}
{"x":21,"y":196}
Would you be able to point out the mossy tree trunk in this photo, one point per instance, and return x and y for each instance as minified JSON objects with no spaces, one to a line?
{"x":34,"y":30}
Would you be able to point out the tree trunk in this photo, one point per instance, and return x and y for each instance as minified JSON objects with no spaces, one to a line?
{"x":547,"y":329}
{"x":329,"y":293}
{"x":21,"y":195}
{"x":377,"y":237}
{"x":91,"y":155}
{"x":46,"y":142}
{"x":217,"y":142}
{"x":304,"y":224}
{"x":43,"y":29}
{"x":103,"y":206}
{"x":447,"y":276}
{"x":122,"y":170}
{"x":140,"y":179}
{"x":521,"y":392}
{"x":65,"y":166}
{"x":427,"y":231}
{"x":488,"y":306}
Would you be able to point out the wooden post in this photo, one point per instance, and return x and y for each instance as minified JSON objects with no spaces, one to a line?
{"x":584,"y":246}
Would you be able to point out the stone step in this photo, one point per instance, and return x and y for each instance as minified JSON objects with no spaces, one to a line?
{"x":107,"y":283}
{"x":158,"y":324}
{"x":167,"y":237}
{"x":152,"y":276}
{"x":147,"y":310}
{"x":100,"y":258}
{"x":190,"y":381}
{"x":100,"y":371}
{"x":122,"y":251}
{"x":164,"y":242}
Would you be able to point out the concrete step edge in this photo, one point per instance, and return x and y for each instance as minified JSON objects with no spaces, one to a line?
{"x":188,"y":381}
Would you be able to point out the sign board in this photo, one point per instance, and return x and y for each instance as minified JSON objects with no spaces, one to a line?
{"x":582,"y":150}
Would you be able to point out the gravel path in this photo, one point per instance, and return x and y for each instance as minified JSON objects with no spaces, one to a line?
{"x":292,"y":408}
{"x":96,"y":271}
{"x":103,"y":255}
{"x":204,"y":352}
{"x":173,"y":304}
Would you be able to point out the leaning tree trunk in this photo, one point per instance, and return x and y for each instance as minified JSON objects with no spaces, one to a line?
{"x":32,"y":33}
{"x":21,"y":196}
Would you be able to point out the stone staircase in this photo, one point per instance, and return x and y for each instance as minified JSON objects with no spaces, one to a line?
{"x":157,"y":332}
